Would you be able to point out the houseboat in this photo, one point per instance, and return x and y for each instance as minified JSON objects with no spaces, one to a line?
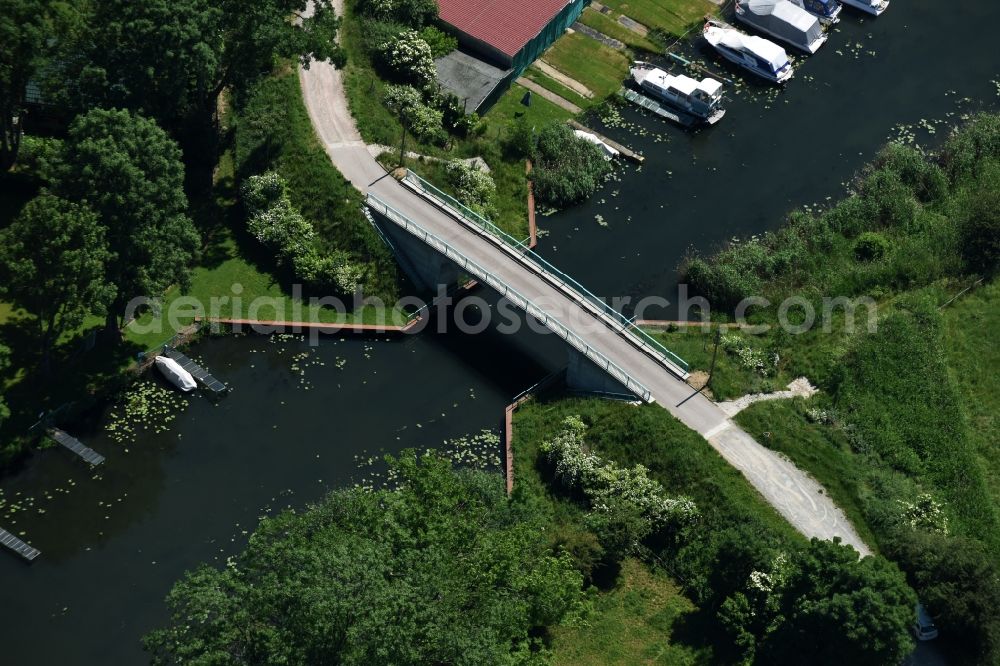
{"x":784,"y":21}
{"x":827,"y":11}
{"x":755,"y":54}
{"x":873,"y":7}
{"x":700,"y":99}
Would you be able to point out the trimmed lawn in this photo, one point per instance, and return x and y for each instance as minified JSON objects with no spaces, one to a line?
{"x":612,"y":28}
{"x":601,"y":68}
{"x":630,"y":624}
{"x":674,"y":17}
{"x":547,"y":82}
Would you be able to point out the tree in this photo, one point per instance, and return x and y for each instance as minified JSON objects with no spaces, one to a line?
{"x":442,"y":570}
{"x":162,"y":57}
{"x":255,"y":34}
{"x":129,"y":172}
{"x":28,"y":29}
{"x":959,"y":583}
{"x":836,"y":609}
{"x":52,"y":263}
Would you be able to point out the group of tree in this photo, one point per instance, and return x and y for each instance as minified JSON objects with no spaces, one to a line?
{"x":442,"y":570}
{"x":111,"y":221}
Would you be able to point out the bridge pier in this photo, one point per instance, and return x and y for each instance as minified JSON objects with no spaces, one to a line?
{"x":582,"y":374}
{"x":425,"y":266}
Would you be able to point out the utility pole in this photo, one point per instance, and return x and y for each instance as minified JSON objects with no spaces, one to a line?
{"x":715,"y":351}
{"x":402,"y":146}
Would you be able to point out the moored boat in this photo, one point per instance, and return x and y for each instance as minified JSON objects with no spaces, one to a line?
{"x":177,"y":375}
{"x":784,"y":21}
{"x":700,"y":99}
{"x":755,"y":54}
{"x":827,"y":11}
{"x":873,"y":7}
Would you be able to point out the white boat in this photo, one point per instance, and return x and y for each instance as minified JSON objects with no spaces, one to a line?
{"x":784,"y":21}
{"x":873,"y":7}
{"x":701,"y":99}
{"x":827,"y":11}
{"x":177,"y":375}
{"x":755,"y":54}
{"x":609,"y":151}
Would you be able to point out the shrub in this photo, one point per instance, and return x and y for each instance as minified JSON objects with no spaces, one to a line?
{"x":925,"y":179}
{"x":891,"y":200}
{"x":870,"y":246}
{"x":971,"y":146}
{"x":979,"y":230}
{"x":413,"y":13}
{"x":626,"y":505}
{"x":422,"y":120}
{"x":567,"y":168}
{"x":409,"y":58}
{"x":441,"y":43}
{"x":474,"y":186}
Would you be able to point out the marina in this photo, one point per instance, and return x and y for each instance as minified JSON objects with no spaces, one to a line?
{"x":16,"y":545}
{"x":89,"y":455}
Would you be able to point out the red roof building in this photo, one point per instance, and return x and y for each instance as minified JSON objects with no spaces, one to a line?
{"x":511,"y":32}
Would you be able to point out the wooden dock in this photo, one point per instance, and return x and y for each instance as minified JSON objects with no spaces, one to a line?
{"x":18,"y":546}
{"x":74,"y":445}
{"x":653,"y":106}
{"x":627,"y":153}
{"x":198,"y":372}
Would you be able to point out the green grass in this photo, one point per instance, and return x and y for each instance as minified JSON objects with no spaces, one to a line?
{"x":273,"y":131}
{"x":973,"y":356}
{"x":550,"y":84}
{"x":674,"y":17}
{"x":676,"y":456}
{"x":630,"y":624}
{"x":821,"y":450}
{"x":612,"y":28}
{"x":601,"y":68}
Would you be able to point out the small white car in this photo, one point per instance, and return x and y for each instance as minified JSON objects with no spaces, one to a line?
{"x":924,"y":628}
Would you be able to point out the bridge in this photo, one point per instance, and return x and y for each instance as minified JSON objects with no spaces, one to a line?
{"x":434,"y":245}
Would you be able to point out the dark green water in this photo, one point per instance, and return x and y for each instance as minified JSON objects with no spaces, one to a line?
{"x":188,"y":494}
{"x":776,"y":151}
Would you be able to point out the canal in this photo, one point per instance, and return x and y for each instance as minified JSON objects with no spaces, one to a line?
{"x":298,"y":419}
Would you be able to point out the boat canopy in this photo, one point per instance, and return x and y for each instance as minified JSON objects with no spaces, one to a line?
{"x":784,"y":20}
{"x":177,"y":375}
{"x":765,"y":49}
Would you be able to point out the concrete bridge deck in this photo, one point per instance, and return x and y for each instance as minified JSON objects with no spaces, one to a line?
{"x":793,"y":493}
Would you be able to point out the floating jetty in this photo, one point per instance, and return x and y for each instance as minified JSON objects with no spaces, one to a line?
{"x":626,"y":152}
{"x":198,"y":372}
{"x":652,"y":105}
{"x":18,"y":546}
{"x":74,"y":445}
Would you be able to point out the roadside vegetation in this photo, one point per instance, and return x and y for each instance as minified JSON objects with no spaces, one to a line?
{"x":902,"y":433}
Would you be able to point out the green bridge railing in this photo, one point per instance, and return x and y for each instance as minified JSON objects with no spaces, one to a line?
{"x":468,"y":215}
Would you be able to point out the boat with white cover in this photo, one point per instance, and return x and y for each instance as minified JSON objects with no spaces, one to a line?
{"x":755,"y":54}
{"x":177,"y":375}
{"x":827,"y":11}
{"x":873,"y":7}
{"x":609,"y":151}
{"x":784,"y":21}
{"x":700,"y":99}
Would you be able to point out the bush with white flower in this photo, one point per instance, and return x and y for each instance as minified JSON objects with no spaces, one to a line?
{"x":475,"y":188}
{"x":423,"y":121}
{"x":749,"y":356}
{"x":626,"y":505}
{"x":410,"y":58}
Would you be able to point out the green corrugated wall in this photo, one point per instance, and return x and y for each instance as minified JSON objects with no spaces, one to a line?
{"x":556,"y":27}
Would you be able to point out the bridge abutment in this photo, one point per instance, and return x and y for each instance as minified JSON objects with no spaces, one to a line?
{"x":425,"y":266}
{"x":582,"y":374}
